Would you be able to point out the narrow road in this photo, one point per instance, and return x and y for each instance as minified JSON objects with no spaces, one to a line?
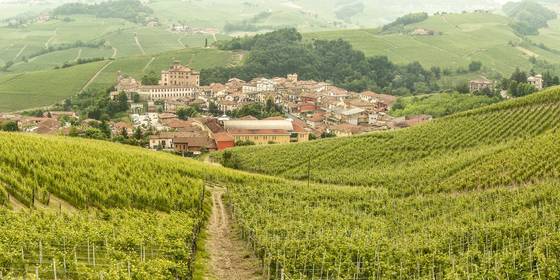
{"x":230,"y":259}
{"x":51,"y":38}
{"x":139,"y":45}
{"x":79,"y":55}
{"x":95,"y":76}
{"x":181,"y":42}
{"x":115,"y":51}
{"x":20,"y":52}
{"x":148,"y":64}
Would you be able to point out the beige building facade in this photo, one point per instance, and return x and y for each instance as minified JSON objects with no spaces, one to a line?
{"x":180,"y":75}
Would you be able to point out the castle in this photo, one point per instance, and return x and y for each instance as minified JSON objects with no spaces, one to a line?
{"x":179,"y":75}
{"x":179,"y":82}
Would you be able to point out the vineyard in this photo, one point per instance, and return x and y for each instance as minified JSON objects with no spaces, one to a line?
{"x":470,"y":196}
{"x":132,"y":214}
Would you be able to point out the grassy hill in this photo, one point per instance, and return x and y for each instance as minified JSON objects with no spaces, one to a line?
{"x":137,"y":211}
{"x":449,"y":199}
{"x":463,"y":38}
{"x":27,"y":90}
{"x":42,"y":88}
{"x":469,"y":196}
{"x":397,"y":159}
{"x":122,"y":39}
{"x":306,"y":15}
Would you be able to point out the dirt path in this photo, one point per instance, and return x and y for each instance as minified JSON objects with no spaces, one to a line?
{"x":20,"y":52}
{"x":148,"y":64}
{"x":139,"y":45}
{"x":51,"y":38}
{"x":230,"y":259}
{"x":16,"y":205}
{"x":95,"y":76}
{"x":79,"y":55}
{"x":181,"y":42}
{"x":527,"y":52}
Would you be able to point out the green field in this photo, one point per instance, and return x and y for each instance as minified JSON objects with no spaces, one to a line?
{"x":464,"y":38}
{"x":123,"y":39}
{"x":138,"y":66}
{"x":439,"y":104}
{"x":43,"y":88}
{"x":29,"y":90}
{"x":470,"y":196}
{"x":463,"y":197}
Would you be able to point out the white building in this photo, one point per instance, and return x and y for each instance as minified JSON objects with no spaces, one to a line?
{"x":152,"y":93}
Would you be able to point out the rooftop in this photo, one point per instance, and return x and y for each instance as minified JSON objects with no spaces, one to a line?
{"x":259,"y":124}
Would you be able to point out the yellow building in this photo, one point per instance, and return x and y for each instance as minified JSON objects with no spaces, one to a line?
{"x":266,"y":131}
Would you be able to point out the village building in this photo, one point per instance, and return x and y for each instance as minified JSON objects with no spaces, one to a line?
{"x":182,"y":142}
{"x":537,"y":81}
{"x":266,"y":131}
{"x":479,"y":85}
{"x":179,"y":82}
{"x":353,"y":116}
{"x":224,"y":141}
{"x":344,"y":130}
{"x":153,"y":93}
{"x":121,"y":127}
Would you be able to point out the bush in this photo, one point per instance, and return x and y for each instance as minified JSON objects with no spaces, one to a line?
{"x":475,"y":66}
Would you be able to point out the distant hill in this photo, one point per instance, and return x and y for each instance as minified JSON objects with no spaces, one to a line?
{"x":528,"y":16}
{"x":453,"y":41}
{"x":305,"y":15}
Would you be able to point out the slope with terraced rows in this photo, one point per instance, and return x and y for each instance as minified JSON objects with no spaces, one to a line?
{"x":469,"y":196}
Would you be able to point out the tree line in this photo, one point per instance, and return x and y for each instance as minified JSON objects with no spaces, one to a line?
{"x":528,"y":16}
{"x":283,"y":51}
{"x":131,"y":10}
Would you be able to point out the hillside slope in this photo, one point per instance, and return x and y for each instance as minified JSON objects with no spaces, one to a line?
{"x":95,"y":208}
{"x":27,"y":90}
{"x":469,"y":196}
{"x":460,"y":39}
{"x":439,"y":148}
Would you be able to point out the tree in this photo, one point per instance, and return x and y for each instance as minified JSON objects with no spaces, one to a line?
{"x":182,"y":113}
{"x":122,"y":101}
{"x":475,"y":66}
{"x":150,"y":79}
{"x":462,"y":87}
{"x":67,"y":104}
{"x":519,"y":76}
{"x":138,"y":135}
{"x":213,"y":109}
{"x":9,"y":126}
{"x":436,"y":71}
{"x":328,"y":135}
{"x":105,"y":129}
{"x":135,"y":97}
{"x":124,"y":133}
{"x":185,"y":113}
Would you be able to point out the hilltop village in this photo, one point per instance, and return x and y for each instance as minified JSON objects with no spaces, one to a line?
{"x":178,"y":114}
